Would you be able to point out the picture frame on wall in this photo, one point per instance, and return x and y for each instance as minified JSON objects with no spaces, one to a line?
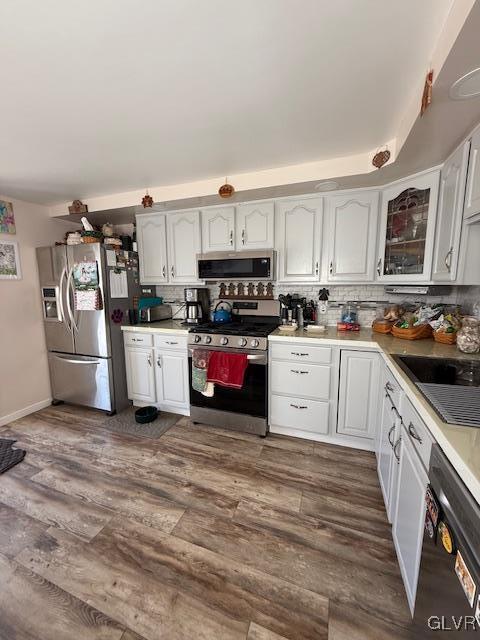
{"x":9,"y":260}
{"x":7,"y":219}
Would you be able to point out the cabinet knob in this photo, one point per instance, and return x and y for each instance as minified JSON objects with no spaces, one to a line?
{"x":316,"y":268}
{"x":331,"y":267}
{"x":231,"y":238}
{"x":159,"y":362}
{"x":379,"y":267}
{"x":164,"y":271}
{"x":172,"y":271}
{"x":149,"y":360}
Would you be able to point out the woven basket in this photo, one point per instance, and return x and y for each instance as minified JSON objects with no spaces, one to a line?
{"x":382,"y":327}
{"x":445,"y":338}
{"x":413,"y":333}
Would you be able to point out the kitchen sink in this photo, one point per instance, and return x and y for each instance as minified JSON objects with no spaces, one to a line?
{"x":440,"y":370}
{"x":451,"y":386}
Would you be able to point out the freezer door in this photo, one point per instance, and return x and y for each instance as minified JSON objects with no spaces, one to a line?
{"x":53,"y":270}
{"x":90,"y":328}
{"x":82,"y":380}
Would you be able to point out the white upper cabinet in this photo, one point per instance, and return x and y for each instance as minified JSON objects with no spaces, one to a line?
{"x":450,"y":215}
{"x":472,"y":196}
{"x":351,"y":237}
{"x":407,"y":229}
{"x":299,"y":237}
{"x":255,"y":226}
{"x":218,"y":229}
{"x":184,"y":242}
{"x":152,"y":248}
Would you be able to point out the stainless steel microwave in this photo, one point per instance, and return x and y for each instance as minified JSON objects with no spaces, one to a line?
{"x":237,"y":265}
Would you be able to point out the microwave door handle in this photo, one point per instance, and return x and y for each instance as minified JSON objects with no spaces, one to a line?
{"x":70,"y":290}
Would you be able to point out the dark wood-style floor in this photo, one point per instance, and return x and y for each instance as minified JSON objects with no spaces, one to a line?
{"x":203,"y":534}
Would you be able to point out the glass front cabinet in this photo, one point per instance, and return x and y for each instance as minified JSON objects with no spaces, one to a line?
{"x":409,"y":210}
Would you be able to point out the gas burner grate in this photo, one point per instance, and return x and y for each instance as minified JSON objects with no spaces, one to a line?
{"x":456,"y":404}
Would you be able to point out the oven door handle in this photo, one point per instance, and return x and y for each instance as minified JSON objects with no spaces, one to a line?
{"x":260,"y":357}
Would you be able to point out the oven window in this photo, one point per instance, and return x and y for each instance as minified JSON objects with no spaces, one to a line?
{"x":251,"y":399}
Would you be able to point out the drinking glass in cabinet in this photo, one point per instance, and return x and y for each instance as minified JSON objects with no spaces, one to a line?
{"x":407,"y":217}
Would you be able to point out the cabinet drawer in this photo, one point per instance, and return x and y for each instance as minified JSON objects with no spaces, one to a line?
{"x":298,"y":413}
{"x":301,"y":353}
{"x":165,"y":341}
{"x":138,"y":339}
{"x":418,"y":433}
{"x":300,"y":379}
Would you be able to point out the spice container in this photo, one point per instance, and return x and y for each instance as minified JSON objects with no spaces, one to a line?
{"x":468,"y":338}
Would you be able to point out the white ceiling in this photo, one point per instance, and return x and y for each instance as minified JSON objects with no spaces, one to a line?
{"x":105,"y":96}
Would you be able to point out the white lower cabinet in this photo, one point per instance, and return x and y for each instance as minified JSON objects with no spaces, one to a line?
{"x":300,"y":414}
{"x":171,"y":378}
{"x":140,"y":373}
{"x":158,"y":375}
{"x":357,"y":403}
{"x":409,"y":517}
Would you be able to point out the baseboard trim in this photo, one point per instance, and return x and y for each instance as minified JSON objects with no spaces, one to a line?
{"x":25,"y":411}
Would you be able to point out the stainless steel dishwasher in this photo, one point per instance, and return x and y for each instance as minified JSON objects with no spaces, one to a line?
{"x":447,"y":603}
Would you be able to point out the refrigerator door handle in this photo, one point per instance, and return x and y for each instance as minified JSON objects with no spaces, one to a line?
{"x":60,"y":299}
{"x":70,"y":289}
{"x":73,"y":361}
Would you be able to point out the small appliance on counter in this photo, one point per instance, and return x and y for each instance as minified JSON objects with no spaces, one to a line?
{"x":153,"y":310}
{"x":197,"y":302}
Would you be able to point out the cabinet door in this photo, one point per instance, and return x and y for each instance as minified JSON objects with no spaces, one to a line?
{"x":352,"y":224}
{"x":357,"y":408}
{"x":140,"y":374}
{"x":172,"y":379}
{"x":450,"y":215}
{"x":472,"y":197}
{"x":218,"y":229}
{"x":409,"y":518}
{"x":299,"y":239}
{"x":152,"y":248}
{"x":254,"y":226}
{"x":184,"y":242}
{"x":387,"y":438}
{"x":407,"y":230}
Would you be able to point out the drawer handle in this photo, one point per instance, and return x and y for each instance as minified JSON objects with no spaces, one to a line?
{"x":297,"y":371}
{"x":296,"y":353}
{"x":388,"y":386}
{"x":413,"y":432}
{"x":298,"y":406}
{"x":170,"y":342}
{"x":392,"y":429}
{"x":137,"y":339}
{"x":397,"y":444}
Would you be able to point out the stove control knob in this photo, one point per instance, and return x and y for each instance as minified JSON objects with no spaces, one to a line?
{"x":242,"y":342}
{"x":197,"y":338}
{"x":254,"y":343}
{"x":207,"y":339}
{"x":223,"y":340}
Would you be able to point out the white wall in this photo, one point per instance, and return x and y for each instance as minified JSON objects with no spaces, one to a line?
{"x":24,"y":378}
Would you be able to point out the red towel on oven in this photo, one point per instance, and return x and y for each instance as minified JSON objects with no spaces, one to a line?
{"x":227,"y":369}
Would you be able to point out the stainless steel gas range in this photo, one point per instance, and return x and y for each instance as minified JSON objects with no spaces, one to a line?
{"x":242,"y":409}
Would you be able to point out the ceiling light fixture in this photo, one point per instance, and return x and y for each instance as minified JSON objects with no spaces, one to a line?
{"x":327,"y":185}
{"x":468,"y":86}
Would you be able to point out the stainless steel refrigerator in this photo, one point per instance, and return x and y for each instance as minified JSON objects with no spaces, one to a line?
{"x":85,"y":348}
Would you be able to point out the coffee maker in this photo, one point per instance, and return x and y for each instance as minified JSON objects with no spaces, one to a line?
{"x":197,"y":301}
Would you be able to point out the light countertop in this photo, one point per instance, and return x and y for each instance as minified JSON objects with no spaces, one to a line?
{"x":174,"y":327}
{"x":460,"y":444}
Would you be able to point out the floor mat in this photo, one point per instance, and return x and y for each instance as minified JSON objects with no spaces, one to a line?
{"x":124,"y":422}
{"x":9,"y":456}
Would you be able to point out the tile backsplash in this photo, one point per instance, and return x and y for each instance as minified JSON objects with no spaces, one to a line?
{"x":461,"y":295}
